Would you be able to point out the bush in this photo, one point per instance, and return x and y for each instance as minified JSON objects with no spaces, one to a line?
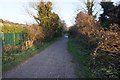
{"x":35,"y":33}
{"x":104,"y":45}
{"x":73,"y":32}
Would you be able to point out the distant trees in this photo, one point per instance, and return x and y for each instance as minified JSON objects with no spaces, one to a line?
{"x":47,"y":19}
{"x":73,"y":31}
{"x":64,"y":26}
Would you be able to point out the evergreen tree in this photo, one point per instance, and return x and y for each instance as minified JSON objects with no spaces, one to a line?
{"x":47,"y":19}
{"x":106,"y":17}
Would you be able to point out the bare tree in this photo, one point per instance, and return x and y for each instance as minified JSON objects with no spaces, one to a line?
{"x":91,"y":7}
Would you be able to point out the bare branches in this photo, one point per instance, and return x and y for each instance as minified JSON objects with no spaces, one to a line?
{"x":90,"y":7}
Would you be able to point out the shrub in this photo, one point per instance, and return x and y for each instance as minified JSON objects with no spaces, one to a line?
{"x":35,"y":33}
{"x":103,"y":43}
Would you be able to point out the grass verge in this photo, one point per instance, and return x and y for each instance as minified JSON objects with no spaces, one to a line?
{"x":82,"y":58}
{"x":22,"y":56}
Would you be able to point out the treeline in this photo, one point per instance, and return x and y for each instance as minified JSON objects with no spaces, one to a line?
{"x":101,"y":38}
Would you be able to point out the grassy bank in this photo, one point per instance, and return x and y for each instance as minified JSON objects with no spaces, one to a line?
{"x":82,"y":57}
{"x":24,"y":55}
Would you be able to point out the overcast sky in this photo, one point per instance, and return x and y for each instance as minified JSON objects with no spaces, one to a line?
{"x":15,"y":10}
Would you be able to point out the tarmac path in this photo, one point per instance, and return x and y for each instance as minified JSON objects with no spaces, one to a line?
{"x":53,"y":62}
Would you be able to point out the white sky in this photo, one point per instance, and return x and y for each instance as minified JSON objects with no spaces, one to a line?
{"x":15,"y":10}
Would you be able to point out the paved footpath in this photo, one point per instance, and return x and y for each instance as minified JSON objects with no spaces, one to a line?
{"x":53,"y":62}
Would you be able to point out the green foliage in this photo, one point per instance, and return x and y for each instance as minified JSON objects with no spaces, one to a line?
{"x":82,"y":57}
{"x":44,"y":14}
{"x":106,"y":64}
{"x":15,"y":57}
{"x":47,"y":19}
{"x":8,"y":29}
{"x":110,"y":14}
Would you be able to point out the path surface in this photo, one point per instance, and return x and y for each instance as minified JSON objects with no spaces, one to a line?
{"x":53,"y":62}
